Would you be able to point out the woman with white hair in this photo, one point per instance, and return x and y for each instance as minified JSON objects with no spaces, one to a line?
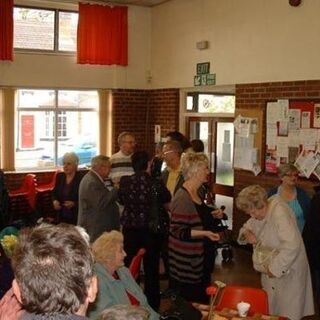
{"x":279,"y":253}
{"x":66,"y":190}
{"x":190,"y":264}
{"x":116,"y":284}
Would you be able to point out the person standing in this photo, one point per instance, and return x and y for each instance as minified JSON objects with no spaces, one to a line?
{"x":65,"y":193}
{"x":171,"y":175}
{"x":143,"y":219}
{"x":295,"y":197}
{"x":98,"y":210}
{"x":285,"y":274}
{"x":121,"y":161}
{"x":190,"y":266}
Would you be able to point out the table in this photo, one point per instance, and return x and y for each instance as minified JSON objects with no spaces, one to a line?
{"x":230,"y":314}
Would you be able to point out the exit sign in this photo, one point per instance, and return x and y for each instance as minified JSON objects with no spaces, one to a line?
{"x":203,"y":68}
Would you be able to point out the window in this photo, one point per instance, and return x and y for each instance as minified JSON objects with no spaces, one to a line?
{"x":210,"y":103}
{"x":53,"y":122}
{"x":45,"y":29}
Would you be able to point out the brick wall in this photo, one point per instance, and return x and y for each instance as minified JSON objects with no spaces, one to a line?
{"x":139,"y":110}
{"x":256,"y":96}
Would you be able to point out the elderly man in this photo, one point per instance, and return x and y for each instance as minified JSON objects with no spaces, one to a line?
{"x":54,"y":277}
{"x":98,"y":210}
{"x":172,"y":176}
{"x":121,"y":161}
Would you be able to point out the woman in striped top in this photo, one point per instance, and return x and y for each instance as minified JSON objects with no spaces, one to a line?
{"x":189,"y":271}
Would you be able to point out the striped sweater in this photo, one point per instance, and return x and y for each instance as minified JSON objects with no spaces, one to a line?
{"x":186,"y":255}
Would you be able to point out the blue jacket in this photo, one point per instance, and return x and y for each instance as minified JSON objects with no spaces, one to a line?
{"x":113,"y":291}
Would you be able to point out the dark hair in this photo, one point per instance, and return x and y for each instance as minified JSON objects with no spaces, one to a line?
{"x":197,"y":145}
{"x":53,"y":266}
{"x":178,"y":136}
{"x":140,"y":161}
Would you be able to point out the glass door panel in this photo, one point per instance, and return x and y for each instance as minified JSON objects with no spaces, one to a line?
{"x":200,"y":130}
{"x":224,"y":146}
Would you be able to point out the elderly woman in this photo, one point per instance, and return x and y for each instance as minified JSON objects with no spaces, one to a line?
{"x":66,"y":190}
{"x":286,"y":275}
{"x":295,"y":197}
{"x":116,"y":284}
{"x":191,"y":221}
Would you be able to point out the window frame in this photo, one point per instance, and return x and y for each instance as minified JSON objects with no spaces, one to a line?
{"x":55,"y":30}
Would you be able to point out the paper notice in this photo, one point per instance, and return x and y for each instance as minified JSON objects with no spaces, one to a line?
{"x":273,"y":113}
{"x":305,"y":119}
{"x":316,"y":116}
{"x":271,"y":135}
{"x":294,"y":119}
{"x":307,"y":162}
{"x":282,"y":147}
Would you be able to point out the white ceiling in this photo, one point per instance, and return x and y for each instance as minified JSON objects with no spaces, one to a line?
{"x":143,"y":3}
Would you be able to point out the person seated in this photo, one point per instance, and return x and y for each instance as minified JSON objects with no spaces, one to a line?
{"x":66,"y":190}
{"x":54,"y":275}
{"x":296,"y":198}
{"x":124,"y":312}
{"x":116,"y":284}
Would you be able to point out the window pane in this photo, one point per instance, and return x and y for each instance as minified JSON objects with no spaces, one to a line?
{"x":214,"y":104}
{"x":34,"y":143}
{"x":68,"y":22}
{"x":78,"y":99}
{"x":33,"y":28}
{"x":35,"y":98}
{"x":224,"y":173}
{"x":78,"y":133}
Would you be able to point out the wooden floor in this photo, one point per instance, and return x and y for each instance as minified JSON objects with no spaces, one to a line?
{"x":239,"y":271}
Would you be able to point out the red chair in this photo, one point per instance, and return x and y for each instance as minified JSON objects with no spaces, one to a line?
{"x":48,"y":187}
{"x":26,"y":193}
{"x":232,"y":295}
{"x":135,"y":264}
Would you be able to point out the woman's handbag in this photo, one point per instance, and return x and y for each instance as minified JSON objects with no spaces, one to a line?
{"x":262,"y":256}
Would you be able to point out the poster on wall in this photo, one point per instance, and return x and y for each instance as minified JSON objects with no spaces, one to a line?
{"x":293,"y":136}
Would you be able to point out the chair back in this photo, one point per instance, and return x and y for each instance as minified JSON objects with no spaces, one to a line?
{"x":232,"y":295}
{"x":29,"y":185}
{"x":135,"y":264}
{"x":48,"y":187}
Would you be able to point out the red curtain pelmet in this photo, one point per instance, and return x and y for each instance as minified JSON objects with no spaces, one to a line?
{"x":102,"y":35}
{"x":6,"y":30}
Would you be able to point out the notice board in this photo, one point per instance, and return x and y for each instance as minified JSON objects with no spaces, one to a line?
{"x":248,"y":139}
{"x":292,"y":129}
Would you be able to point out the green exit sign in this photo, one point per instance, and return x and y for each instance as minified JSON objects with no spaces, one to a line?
{"x":203,"y":68}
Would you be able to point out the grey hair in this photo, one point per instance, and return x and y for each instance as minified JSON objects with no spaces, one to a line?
{"x":124,"y":312}
{"x":124,"y":134}
{"x":191,"y":162}
{"x":252,"y":197}
{"x":286,"y":168}
{"x":72,"y":157}
{"x":99,"y":160}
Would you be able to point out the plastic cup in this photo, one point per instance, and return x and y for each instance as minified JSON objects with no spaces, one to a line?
{"x":243,"y":308}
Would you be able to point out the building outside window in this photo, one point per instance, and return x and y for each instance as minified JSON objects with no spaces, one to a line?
{"x":45,"y":29}
{"x":52,"y":122}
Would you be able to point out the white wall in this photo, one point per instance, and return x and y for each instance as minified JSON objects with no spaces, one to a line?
{"x":250,"y":41}
{"x":49,"y":70}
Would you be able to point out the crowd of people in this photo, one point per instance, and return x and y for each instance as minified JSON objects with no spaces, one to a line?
{"x":79,"y":267}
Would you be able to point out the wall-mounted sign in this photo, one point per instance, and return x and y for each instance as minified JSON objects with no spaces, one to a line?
{"x":203,"y":68}
{"x":205,"y":80}
{"x":203,"y":77}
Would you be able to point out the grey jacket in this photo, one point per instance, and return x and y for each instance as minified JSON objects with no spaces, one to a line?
{"x":98,"y":210}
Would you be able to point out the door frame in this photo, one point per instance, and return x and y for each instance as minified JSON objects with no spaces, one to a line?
{"x":215,"y":188}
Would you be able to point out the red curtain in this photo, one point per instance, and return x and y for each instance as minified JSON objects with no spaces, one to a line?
{"x":102,"y":35}
{"x":6,"y":30}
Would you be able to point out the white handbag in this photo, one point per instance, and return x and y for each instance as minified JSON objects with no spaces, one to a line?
{"x":262,"y":256}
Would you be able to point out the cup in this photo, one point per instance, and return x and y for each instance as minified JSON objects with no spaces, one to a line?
{"x":243,"y":308}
